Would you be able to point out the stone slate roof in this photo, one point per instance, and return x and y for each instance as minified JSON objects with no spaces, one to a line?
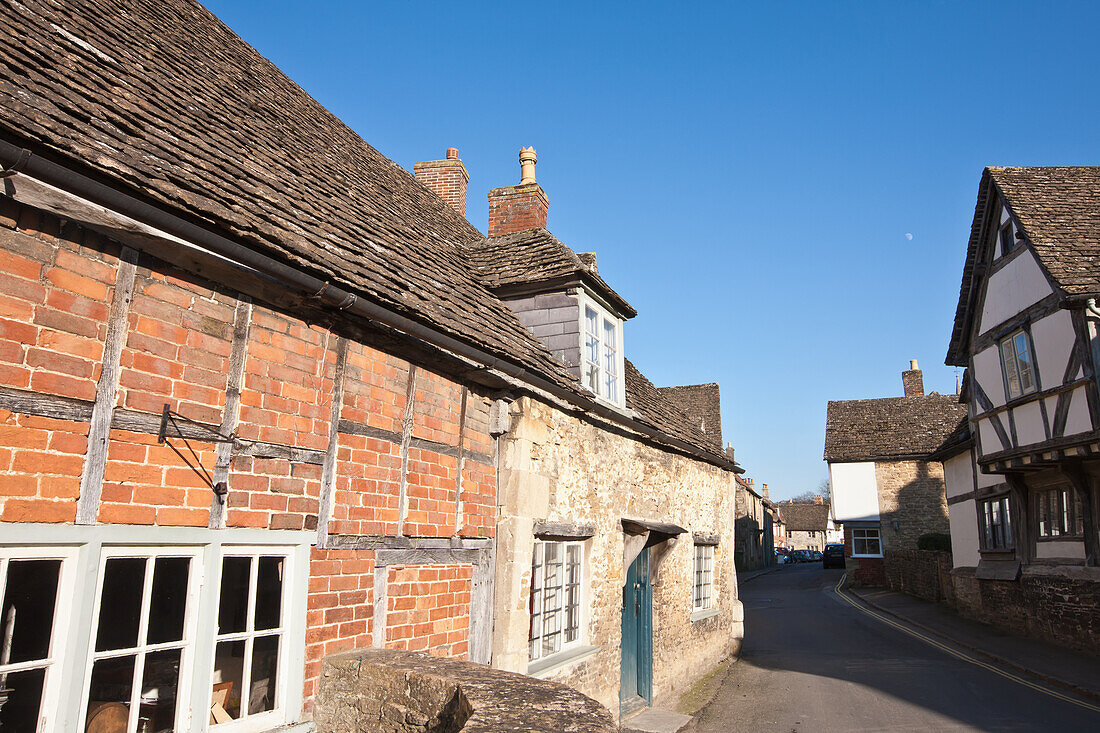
{"x":1058,"y":209}
{"x":890,"y":428}
{"x":535,"y":256}
{"x":162,"y":100}
{"x":703,"y":404}
{"x":804,"y":517}
{"x":654,"y":407}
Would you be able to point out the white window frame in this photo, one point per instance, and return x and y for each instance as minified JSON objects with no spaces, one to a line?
{"x":186,"y":645}
{"x":585,"y":302}
{"x":54,"y":661}
{"x":1011,"y":364}
{"x":703,"y":566}
{"x":538,"y":584}
{"x":276,"y":716}
{"x":866,"y":536}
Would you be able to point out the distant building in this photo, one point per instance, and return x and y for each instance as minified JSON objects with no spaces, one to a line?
{"x":807,"y":524}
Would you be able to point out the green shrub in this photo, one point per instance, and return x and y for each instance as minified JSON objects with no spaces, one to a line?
{"x":935,"y":541}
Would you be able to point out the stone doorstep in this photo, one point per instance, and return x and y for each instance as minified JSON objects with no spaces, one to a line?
{"x":655,"y":720}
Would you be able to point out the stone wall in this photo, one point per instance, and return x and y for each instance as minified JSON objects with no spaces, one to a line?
{"x":555,"y":467}
{"x":798,"y":539}
{"x":920,"y":573}
{"x":382,"y":691}
{"x":1057,"y":604}
{"x":912,"y":494}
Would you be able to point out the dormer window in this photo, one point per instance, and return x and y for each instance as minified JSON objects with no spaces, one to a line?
{"x":601,"y":352}
{"x":1017,"y":363}
{"x":1008,"y":238}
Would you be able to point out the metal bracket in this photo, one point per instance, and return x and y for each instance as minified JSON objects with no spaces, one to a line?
{"x":168,"y":417}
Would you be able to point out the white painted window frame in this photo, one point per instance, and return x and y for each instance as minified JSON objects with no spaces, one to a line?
{"x":586,"y":301}
{"x":1010,"y":340}
{"x":878,"y":537}
{"x":66,"y":581}
{"x":582,"y":598}
{"x":186,"y":645}
{"x":703,"y":554}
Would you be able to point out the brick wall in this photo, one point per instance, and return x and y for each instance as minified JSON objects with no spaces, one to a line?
{"x":412,"y":453}
{"x":870,"y":571}
{"x":912,"y":494}
{"x":447,"y":178}
{"x":515,"y":208}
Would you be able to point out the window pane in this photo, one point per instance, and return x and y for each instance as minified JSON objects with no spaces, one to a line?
{"x":228,"y":676}
{"x":265,"y":667}
{"x":109,"y":693}
{"x":120,"y":603}
{"x":233,"y":607}
{"x":1008,"y":360}
{"x":29,"y":602}
{"x":158,"y":691}
{"x":1023,"y":359}
{"x":269,"y":592}
{"x":591,"y":321}
{"x":24,"y":690}
{"x":168,"y":604}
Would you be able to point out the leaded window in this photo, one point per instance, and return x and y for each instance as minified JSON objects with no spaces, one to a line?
{"x":704,"y":577}
{"x":555,"y":603}
{"x":1017,"y":363}
{"x":996,"y":524}
{"x":1058,"y":513}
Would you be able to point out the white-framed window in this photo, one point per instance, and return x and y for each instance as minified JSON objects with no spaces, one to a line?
{"x":601,"y":352}
{"x":555,"y":597}
{"x":1058,"y":513}
{"x":703,"y":597}
{"x":996,"y":520}
{"x":249,"y":645}
{"x":35,"y":588}
{"x":866,"y":542}
{"x":140,"y":664}
{"x":1017,"y":363}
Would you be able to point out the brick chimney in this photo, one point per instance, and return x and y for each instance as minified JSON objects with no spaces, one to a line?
{"x":448,"y":178}
{"x":519,"y":207}
{"x":764,"y":491}
{"x":913,"y":380}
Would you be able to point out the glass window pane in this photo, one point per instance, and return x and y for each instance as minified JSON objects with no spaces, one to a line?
{"x":109,"y":693}
{"x":158,"y":691}
{"x":269,"y":592}
{"x":24,"y":701}
{"x":1023,"y":359}
{"x":265,"y":668}
{"x":120,"y":603}
{"x":29,"y":601}
{"x":1008,"y":359}
{"x":591,"y":320}
{"x":592,"y":349}
{"x":168,"y":604}
{"x":233,"y":606}
{"x":228,"y":677}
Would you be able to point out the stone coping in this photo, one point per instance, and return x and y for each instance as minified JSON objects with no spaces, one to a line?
{"x":402,"y":692}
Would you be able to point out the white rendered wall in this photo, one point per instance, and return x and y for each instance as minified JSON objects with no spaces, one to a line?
{"x":1054,"y":339}
{"x":854,"y":492}
{"x":1029,"y":423}
{"x":987,"y":373}
{"x":1078,"y":420}
{"x":958,"y":475}
{"x":964,"y":534}
{"x":1013,"y":288}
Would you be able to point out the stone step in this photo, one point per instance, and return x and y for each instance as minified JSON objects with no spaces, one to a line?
{"x":655,"y":720}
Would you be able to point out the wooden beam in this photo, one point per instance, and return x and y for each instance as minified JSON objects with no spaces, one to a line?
{"x":406,"y":439}
{"x":460,"y":459}
{"x":242,"y":318}
{"x":99,"y":432}
{"x":1021,"y":516}
{"x":1074,"y":471}
{"x":327,"y":499}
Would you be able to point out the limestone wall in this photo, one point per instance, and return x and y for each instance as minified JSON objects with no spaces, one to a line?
{"x":912,"y":494}
{"x":554,"y":467}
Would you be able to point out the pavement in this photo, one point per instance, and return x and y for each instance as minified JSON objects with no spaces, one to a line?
{"x":655,"y":720}
{"x":1070,"y":670}
{"x":815,"y":661}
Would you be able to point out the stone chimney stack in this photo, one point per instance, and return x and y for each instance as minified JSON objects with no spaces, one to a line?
{"x":519,"y":207}
{"x":448,"y":178}
{"x":913,"y":380}
{"x":819,"y":499}
{"x":764,"y":491}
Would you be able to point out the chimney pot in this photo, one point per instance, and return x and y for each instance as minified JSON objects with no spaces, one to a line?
{"x":522,"y":206}
{"x":452,"y":153}
{"x":912,"y":364}
{"x":527,"y":160}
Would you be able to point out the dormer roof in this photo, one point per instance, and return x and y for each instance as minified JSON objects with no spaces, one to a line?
{"x":534,"y":260}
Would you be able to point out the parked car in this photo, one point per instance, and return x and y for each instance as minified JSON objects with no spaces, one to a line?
{"x":833,"y":557}
{"x":815,"y":555}
{"x":801,"y":556}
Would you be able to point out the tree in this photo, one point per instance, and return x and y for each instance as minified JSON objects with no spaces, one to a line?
{"x":823,"y":490}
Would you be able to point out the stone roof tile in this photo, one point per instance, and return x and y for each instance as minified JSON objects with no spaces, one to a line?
{"x":890,"y":428}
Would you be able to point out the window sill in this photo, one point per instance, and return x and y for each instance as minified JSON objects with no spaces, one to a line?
{"x":543,"y":668}
{"x":704,"y":614}
{"x":866,"y":557}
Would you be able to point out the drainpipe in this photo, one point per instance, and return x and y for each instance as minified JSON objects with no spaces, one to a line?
{"x":1090,"y":306}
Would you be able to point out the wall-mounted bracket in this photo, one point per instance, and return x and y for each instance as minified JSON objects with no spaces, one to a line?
{"x":169,"y":418}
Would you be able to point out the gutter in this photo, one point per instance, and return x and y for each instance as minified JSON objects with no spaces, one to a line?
{"x":16,"y":161}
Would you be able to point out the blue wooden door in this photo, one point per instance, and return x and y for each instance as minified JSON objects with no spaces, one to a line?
{"x":636,"y":682}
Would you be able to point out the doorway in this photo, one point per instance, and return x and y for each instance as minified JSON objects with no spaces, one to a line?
{"x":636,"y":678}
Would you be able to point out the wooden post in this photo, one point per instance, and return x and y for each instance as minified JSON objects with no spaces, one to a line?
{"x":238,"y":350}
{"x":1021,"y":517}
{"x":1075,"y":472}
{"x":327,"y":498}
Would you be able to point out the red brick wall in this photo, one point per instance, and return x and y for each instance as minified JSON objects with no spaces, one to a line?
{"x":862,"y":570}
{"x":429,"y":609}
{"x":515,"y":208}
{"x":448,"y":178}
{"x":55,"y":296}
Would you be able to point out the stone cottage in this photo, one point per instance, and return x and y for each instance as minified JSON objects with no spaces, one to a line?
{"x":260,"y":404}
{"x":1022,"y":473}
{"x":887,"y":489}
{"x":806,"y":524}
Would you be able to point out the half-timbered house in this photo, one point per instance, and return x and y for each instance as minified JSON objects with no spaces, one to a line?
{"x":261,"y":403}
{"x":1022,"y":482}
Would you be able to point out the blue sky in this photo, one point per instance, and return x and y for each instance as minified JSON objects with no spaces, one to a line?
{"x":783,"y":190}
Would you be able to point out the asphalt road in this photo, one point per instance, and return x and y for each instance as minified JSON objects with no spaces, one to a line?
{"x":812,"y":663}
